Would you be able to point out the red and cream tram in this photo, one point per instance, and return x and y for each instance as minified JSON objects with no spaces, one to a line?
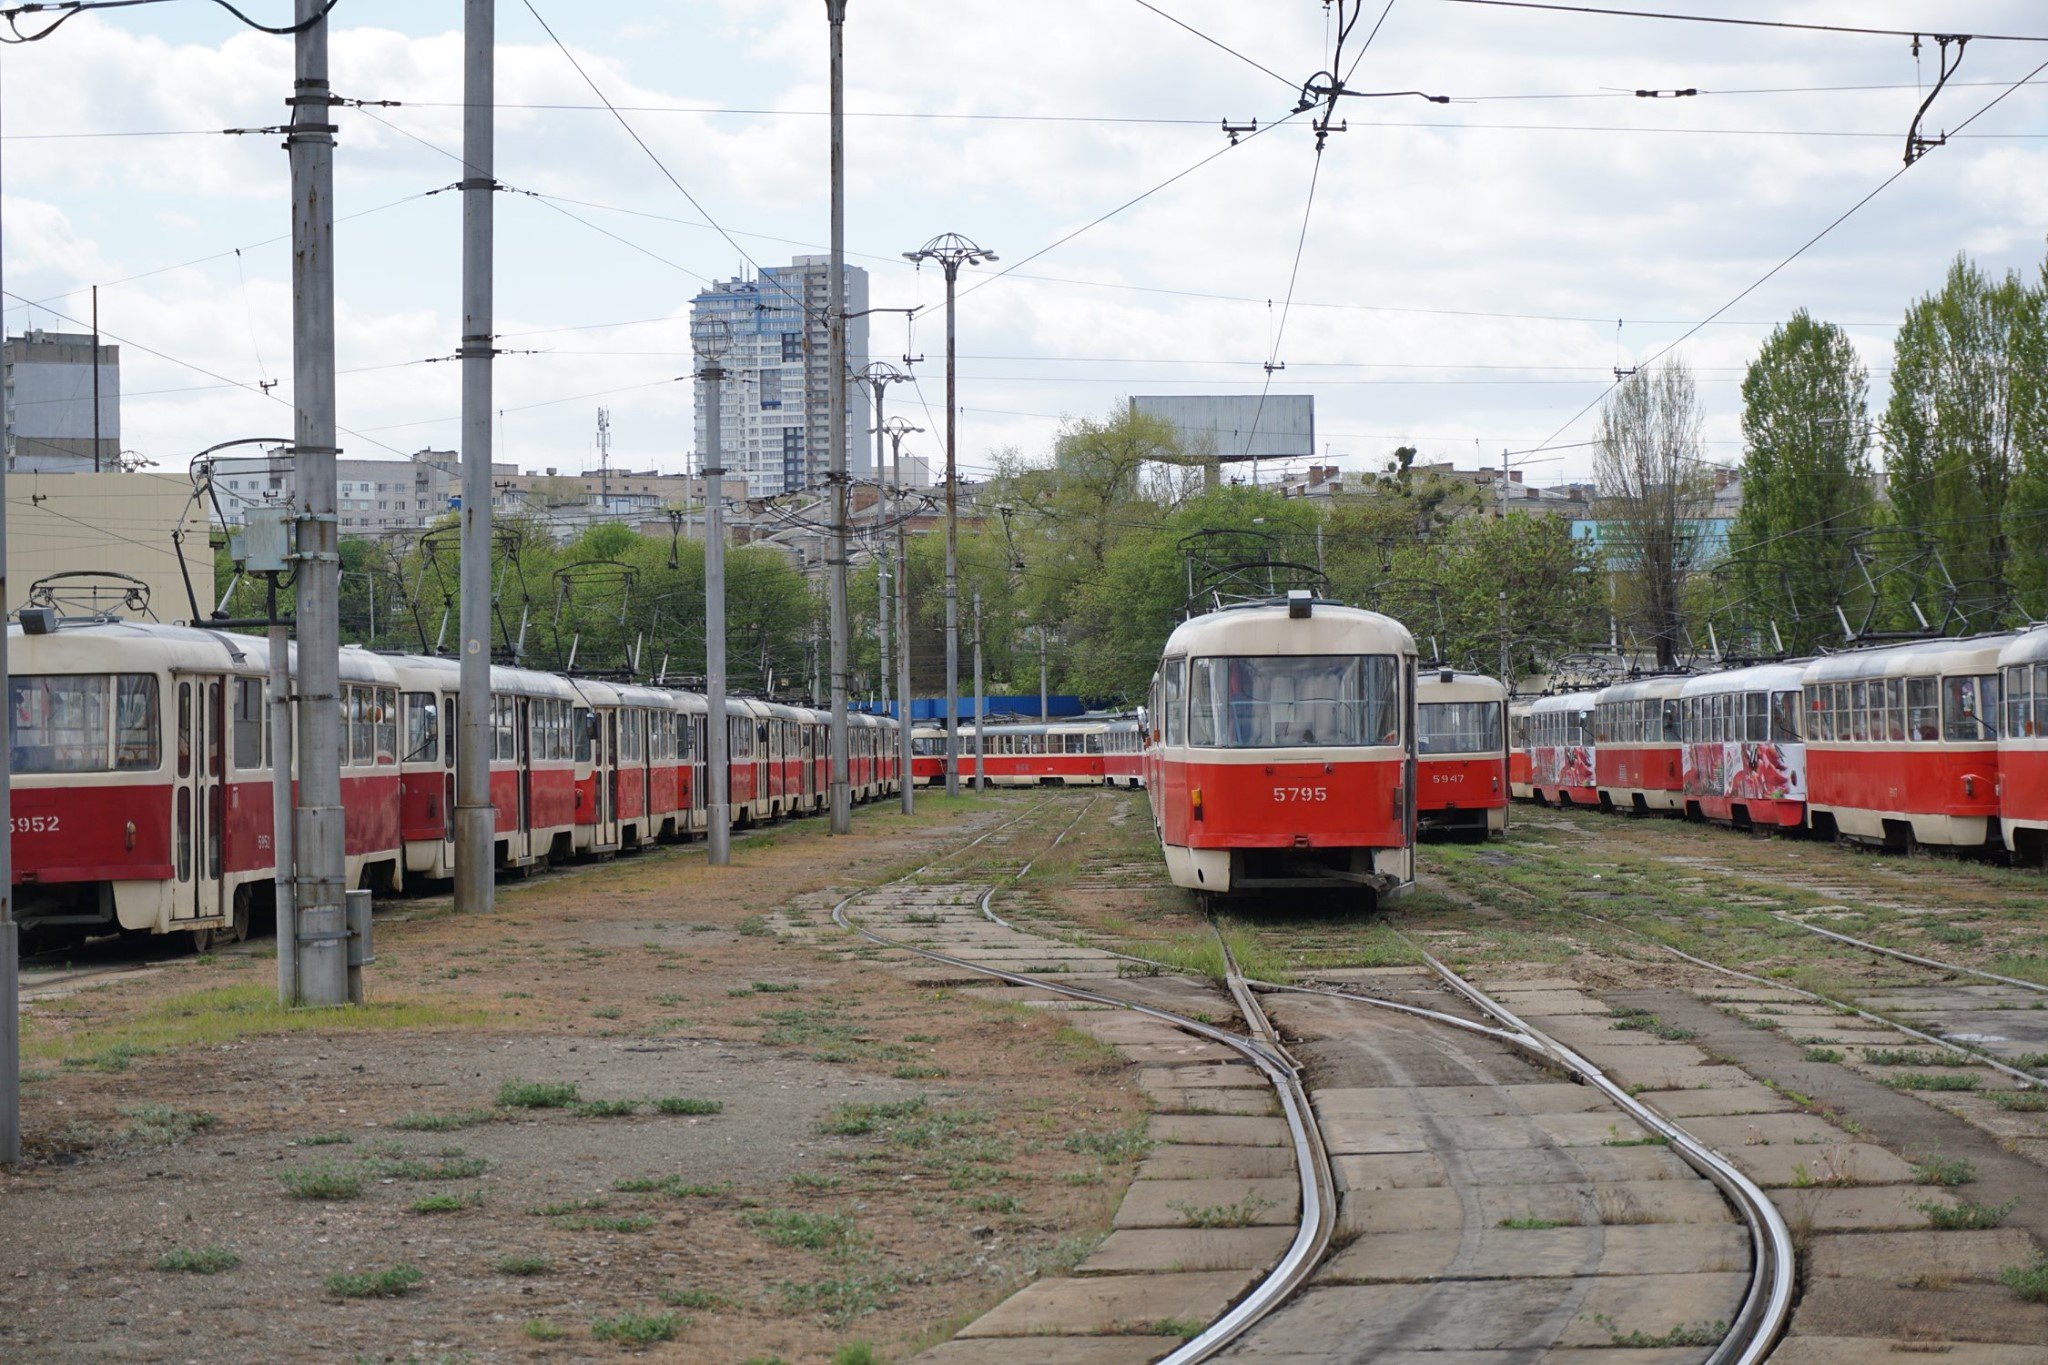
{"x":1902,"y":743}
{"x":1745,"y":747}
{"x":1032,"y":754}
{"x":1561,"y":750}
{"x":1123,"y":752}
{"x":1518,"y":749}
{"x":141,"y":760}
{"x":1461,"y":757}
{"x":1283,"y":750}
{"x":1638,"y":761}
{"x":927,"y":756}
{"x":2023,"y":746}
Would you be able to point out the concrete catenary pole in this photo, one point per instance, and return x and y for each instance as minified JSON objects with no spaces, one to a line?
{"x":476,"y":831}
{"x":952,"y":251}
{"x":717,"y":734}
{"x":842,"y":802}
{"x":10,"y":932}
{"x":898,"y":429}
{"x":318,"y":852}
{"x":281,"y":841}
{"x":1044,"y":709}
{"x":980,"y":730}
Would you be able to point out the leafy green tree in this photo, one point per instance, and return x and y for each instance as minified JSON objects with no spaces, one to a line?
{"x":1963,"y":427}
{"x":1806,"y":479}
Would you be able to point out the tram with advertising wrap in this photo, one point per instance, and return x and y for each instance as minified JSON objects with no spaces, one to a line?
{"x":1638,"y":760}
{"x":1745,"y":750}
{"x":1281,"y":754}
{"x":141,"y":759}
{"x":1561,"y":750}
{"x":1461,"y":754}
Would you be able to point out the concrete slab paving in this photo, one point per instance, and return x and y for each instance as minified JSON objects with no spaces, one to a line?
{"x":1166,"y":1203}
{"x":1622,"y":1202}
{"x":1233,"y":1074}
{"x":1134,"y":1350}
{"x":1182,"y":1100}
{"x":1572,"y":1356}
{"x":1176,"y":1053}
{"x":1619,"y":1307}
{"x":1389,"y":1171}
{"x":1536,"y":1005}
{"x":1346,"y":1136}
{"x":1908,"y":1257}
{"x":1188,"y":1249}
{"x":1962,"y":1312}
{"x":1755,"y":995}
{"x":1550,"y":1166}
{"x":1868,"y":1208}
{"x":1825,"y":1350}
{"x":1101,"y":1304}
{"x":1430,"y":1209}
{"x":1742,"y":1097}
{"x":1834,"y":1163}
{"x":1226,"y":1129}
{"x":1188,"y":1161}
{"x":1362,"y":1322}
{"x":1591,"y":1129}
{"x":1393,"y":1257}
{"x":1643,"y":1069}
{"x":1726,"y":1132}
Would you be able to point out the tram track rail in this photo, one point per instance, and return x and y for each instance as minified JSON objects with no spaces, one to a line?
{"x":1766,"y":1306}
{"x":1966,"y":1049}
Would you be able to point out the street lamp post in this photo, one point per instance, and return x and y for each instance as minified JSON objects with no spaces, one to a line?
{"x":952,"y":251}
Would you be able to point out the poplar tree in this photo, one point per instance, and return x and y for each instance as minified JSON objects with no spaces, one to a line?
{"x":1963,"y":432}
{"x":1806,"y":479}
{"x":1654,"y":495}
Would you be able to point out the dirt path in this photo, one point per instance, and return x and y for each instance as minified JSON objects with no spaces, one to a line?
{"x":769,"y":1152}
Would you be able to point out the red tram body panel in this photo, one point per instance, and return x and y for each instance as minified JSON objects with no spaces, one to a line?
{"x":1461,"y":756}
{"x":1638,"y":761}
{"x":2023,"y":746}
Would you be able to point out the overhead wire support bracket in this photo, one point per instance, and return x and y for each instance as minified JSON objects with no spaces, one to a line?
{"x":1916,"y":145}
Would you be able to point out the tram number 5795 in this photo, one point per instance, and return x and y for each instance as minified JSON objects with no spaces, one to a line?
{"x":1285,"y":794}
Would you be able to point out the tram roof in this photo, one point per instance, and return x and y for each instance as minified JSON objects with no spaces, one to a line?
{"x":1918,"y":657}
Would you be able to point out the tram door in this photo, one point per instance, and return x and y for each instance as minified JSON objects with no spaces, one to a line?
{"x":198,"y":799}
{"x":523,"y":755}
{"x":607,"y":780}
{"x":450,"y":728}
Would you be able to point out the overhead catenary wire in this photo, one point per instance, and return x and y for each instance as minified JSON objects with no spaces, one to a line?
{"x":1752,"y":23}
{"x":1216,"y":43}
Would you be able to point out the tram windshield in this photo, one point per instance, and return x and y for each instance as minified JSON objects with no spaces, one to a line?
{"x":1458,"y":727}
{"x":1294,"y":701}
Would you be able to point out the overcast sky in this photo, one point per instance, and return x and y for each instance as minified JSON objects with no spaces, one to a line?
{"x":1460,"y":280}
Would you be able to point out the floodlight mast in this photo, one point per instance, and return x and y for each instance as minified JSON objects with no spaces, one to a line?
{"x":952,"y":251}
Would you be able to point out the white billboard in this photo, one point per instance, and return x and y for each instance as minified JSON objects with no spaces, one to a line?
{"x":1280,"y":426}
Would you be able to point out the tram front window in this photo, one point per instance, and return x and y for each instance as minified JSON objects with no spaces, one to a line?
{"x":1294,"y":701}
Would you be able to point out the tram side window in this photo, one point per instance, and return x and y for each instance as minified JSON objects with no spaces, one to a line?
{"x":61,"y":723}
{"x":422,"y":729}
{"x":586,"y":730}
{"x":2040,"y":700}
{"x":249,"y":722}
{"x":2019,"y":703}
{"x":1173,"y":676}
{"x":361,"y":704}
{"x":386,"y":724}
{"x":1785,"y":717}
{"x":1968,"y":703}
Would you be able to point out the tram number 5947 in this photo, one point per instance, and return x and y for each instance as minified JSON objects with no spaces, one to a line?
{"x":1284,"y":794}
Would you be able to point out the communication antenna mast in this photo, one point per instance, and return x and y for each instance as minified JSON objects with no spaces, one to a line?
{"x":604,"y":459}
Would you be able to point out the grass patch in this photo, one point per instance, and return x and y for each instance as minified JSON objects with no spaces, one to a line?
{"x":1945,"y":1170}
{"x":523,"y":1265}
{"x":1967,"y":1216}
{"x":808,"y":1231}
{"x":674,"y":1186}
{"x":600,"y":1222}
{"x":224,"y":1014}
{"x":540,"y":1329}
{"x":919,"y":1072}
{"x":567,"y":1206}
{"x":442,"y":1123}
{"x":859,"y":1120}
{"x":397,"y":1281}
{"x":684,"y":1104}
{"x":2021,"y":1101}
{"x":811,"y":1180}
{"x":839,"y":1300}
{"x":164,"y":1124}
{"x":775,"y":988}
{"x":1241,"y":1214}
{"x":1531,"y":1223}
{"x":322,"y":1181}
{"x":1900,"y":1056}
{"x":537,"y":1094}
{"x":198,"y":1260}
{"x":995,"y":1203}
{"x":1118,"y":1145}
{"x":452,"y":1167}
{"x":635,"y":1329}
{"x":323,"y":1140}
{"x":605,"y":1109}
{"x":1925,"y":1080}
{"x":448,"y":1203}
{"x":756,"y":926}
{"x":699,"y":1299}
{"x":1642,"y":1021}
{"x":1822,"y":1054}
{"x":2030,"y":1282}
{"x":1685,"y":1334}
{"x":1647,"y":1140}
{"x":607,"y":1012}
{"x":856,"y":1353}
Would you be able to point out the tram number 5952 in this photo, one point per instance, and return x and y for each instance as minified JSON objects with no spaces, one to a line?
{"x":1284,"y":794}
{"x":36,"y":824}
